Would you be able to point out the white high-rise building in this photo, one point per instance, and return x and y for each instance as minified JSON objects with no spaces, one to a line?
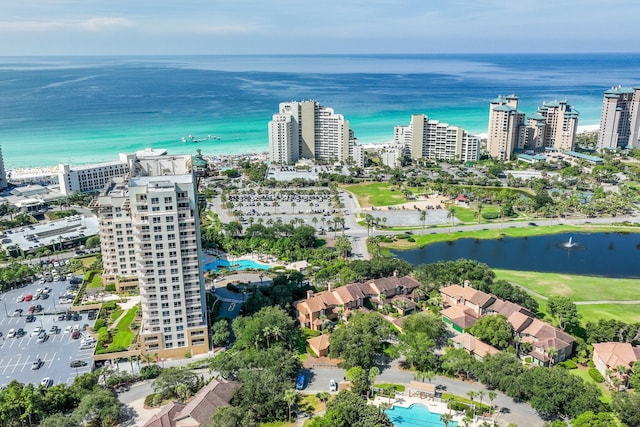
{"x":308,"y":130}
{"x":561,"y":124}
{"x":620,"y":118}
{"x":3,"y":173}
{"x":431,"y":139}
{"x":150,"y":232}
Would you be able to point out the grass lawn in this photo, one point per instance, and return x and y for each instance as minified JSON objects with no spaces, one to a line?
{"x":87,"y":261}
{"x":96,"y":281}
{"x":376,"y":194}
{"x":628,"y":313}
{"x":584,"y":374}
{"x":578,"y":288}
{"x":124,"y":337}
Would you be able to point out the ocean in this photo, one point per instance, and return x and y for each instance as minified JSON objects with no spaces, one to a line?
{"x":87,"y":109}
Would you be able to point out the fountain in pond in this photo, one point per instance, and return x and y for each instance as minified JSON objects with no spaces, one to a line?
{"x":570,"y":243}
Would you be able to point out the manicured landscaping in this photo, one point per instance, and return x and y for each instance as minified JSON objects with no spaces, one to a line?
{"x":628,"y":313}
{"x":584,"y":374}
{"x":578,"y":288}
{"x":376,"y":194}
{"x":125,"y":336}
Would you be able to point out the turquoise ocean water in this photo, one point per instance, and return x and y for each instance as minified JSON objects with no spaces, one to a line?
{"x":87,"y":109}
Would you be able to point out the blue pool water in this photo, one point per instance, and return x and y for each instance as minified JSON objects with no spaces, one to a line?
{"x":244,"y":264}
{"x":416,"y":415}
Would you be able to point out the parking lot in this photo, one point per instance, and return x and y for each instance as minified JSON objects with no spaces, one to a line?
{"x":56,"y":351}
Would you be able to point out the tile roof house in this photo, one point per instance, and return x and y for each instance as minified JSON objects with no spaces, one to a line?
{"x":334,"y":303}
{"x":465,"y":305}
{"x":474,"y":346}
{"x":319,"y":345}
{"x":607,"y":356}
{"x":200,"y":409}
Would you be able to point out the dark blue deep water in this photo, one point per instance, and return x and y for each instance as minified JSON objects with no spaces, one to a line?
{"x":595,"y":254}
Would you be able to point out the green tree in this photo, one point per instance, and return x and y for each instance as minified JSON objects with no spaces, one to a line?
{"x":220,"y":333}
{"x":591,"y":419}
{"x":100,"y":408}
{"x":421,"y":332}
{"x":291,"y":397}
{"x":233,"y":416}
{"x":495,"y":330}
{"x":457,"y":361}
{"x":627,"y":407}
{"x":171,"y":380}
{"x":59,"y":420}
{"x":359,"y":342}
{"x":343,"y":246}
{"x":349,"y":410}
{"x":565,"y":311}
{"x":358,"y":378}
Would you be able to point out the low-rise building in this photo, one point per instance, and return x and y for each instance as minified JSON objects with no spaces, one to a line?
{"x":608,"y":357}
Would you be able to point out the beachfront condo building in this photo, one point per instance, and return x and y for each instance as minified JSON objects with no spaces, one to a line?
{"x":93,"y":177}
{"x":552,"y":126}
{"x":620,"y":119}
{"x":3,"y":173}
{"x":308,"y":130}
{"x":431,"y":139}
{"x":150,"y":236}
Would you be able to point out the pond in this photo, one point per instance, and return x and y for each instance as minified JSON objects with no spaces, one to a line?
{"x":592,"y":254}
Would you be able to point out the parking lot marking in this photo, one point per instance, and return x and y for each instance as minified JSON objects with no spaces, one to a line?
{"x":52,"y":358}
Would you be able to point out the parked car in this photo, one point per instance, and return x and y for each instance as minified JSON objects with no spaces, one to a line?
{"x":42,"y":337}
{"x":54,"y":329}
{"x":333,"y":386}
{"x":11,"y":333}
{"x":36,"y":364}
{"x":19,"y":332}
{"x":20,"y":298}
{"x":77,"y":363}
{"x":17,"y":312}
{"x":28,"y":297}
{"x":46,"y":382}
{"x":68,"y":329}
{"x":36,"y":331}
{"x":75,"y":335}
{"x":30,"y":318}
{"x":300,"y":382}
{"x":31,"y":309}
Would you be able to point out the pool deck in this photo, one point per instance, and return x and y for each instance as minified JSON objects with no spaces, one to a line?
{"x":436,"y":406}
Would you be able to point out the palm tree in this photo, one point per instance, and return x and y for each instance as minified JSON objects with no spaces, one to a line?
{"x":480,"y":394}
{"x":472,"y":394}
{"x":293,"y":205}
{"x":492,"y":396}
{"x":275,"y":206}
{"x":290,"y":396}
{"x":479,"y":212}
{"x":446,"y":419}
{"x":315,"y":222}
{"x":423,"y":218}
{"x":552,"y":353}
{"x":451,"y":214}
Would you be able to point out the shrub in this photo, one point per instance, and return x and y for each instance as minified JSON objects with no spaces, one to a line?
{"x":596,"y":375}
{"x":490,"y":215}
{"x":386,"y":239}
{"x":402,"y":236}
{"x":152,"y":399}
{"x":233,"y":288}
{"x":411,"y":239}
{"x":458,"y":406}
{"x":149,"y":372}
{"x":110,"y":287}
{"x":100,"y":323}
{"x":568,"y":364}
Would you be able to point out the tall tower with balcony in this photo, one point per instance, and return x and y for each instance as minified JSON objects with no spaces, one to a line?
{"x":157,"y":207}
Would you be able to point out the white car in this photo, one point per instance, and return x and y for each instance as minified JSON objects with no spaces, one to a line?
{"x":20,"y":298}
{"x":68,"y":329}
{"x":46,"y":382}
{"x":11,"y":333}
{"x":36,"y":331}
{"x":333,"y":386}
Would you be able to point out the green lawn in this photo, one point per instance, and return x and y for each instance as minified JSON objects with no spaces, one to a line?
{"x":582,"y":288}
{"x":578,"y":288}
{"x":96,"y":281}
{"x":376,"y":194}
{"x":584,"y":374}
{"x":124,"y":337}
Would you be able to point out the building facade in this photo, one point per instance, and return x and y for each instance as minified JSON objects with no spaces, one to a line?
{"x":554,"y":125}
{"x":150,"y":226}
{"x":620,"y":119}
{"x":431,"y":139}
{"x":308,"y":130}
{"x":3,"y":173}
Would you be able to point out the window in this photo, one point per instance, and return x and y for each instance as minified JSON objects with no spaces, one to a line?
{"x":155,"y":200}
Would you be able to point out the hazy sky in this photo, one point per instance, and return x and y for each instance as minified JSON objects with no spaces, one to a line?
{"x":111,"y":27}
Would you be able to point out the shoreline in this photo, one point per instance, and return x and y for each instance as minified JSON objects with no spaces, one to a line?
{"x":26,"y":173}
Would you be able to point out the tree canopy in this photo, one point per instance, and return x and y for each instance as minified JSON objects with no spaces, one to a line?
{"x":495,"y":330}
{"x":349,"y":410}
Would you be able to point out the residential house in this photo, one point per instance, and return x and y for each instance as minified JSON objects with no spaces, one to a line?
{"x":200,"y":409}
{"x":609,"y":356}
{"x":336,"y":303}
{"x":319,"y":345}
{"x":465,"y":305}
{"x":473,"y":346}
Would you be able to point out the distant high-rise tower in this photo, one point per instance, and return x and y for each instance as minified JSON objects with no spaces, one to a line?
{"x":307,"y":130}
{"x":3,"y":173}
{"x":620,"y":118}
{"x":150,"y":232}
{"x":554,"y":125}
{"x":431,"y":139}
{"x":505,"y":127}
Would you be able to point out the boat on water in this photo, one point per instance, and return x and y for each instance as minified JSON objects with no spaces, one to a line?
{"x":192,"y":138}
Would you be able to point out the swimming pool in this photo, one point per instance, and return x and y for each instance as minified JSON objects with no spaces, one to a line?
{"x":416,"y":415}
{"x":243,"y":264}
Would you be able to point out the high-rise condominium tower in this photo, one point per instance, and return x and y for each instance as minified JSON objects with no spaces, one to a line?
{"x":620,"y":118}
{"x":150,"y":233}
{"x":308,"y":130}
